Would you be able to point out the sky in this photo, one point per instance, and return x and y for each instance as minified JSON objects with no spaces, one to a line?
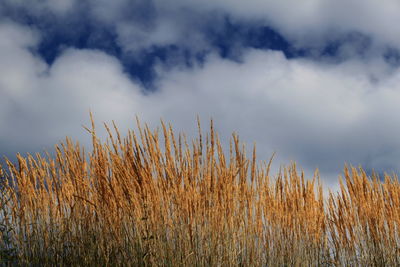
{"x":316,"y":81}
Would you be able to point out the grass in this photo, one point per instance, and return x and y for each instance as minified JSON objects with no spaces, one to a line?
{"x":146,"y":200}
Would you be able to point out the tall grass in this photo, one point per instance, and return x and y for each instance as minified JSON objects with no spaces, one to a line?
{"x":146,"y":200}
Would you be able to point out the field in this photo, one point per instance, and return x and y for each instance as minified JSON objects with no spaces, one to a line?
{"x":153,"y":198}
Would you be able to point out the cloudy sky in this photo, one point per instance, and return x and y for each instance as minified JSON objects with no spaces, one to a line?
{"x":316,"y":81}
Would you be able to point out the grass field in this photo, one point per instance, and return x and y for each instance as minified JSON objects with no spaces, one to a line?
{"x":153,"y":198}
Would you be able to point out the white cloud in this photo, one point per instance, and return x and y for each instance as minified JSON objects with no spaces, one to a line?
{"x":313,"y":20}
{"x":310,"y":23}
{"x":320,"y":115}
{"x":41,"y":104}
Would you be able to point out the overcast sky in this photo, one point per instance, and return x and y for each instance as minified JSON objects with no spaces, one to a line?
{"x":316,"y":81}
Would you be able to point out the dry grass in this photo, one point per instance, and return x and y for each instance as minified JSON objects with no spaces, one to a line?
{"x":143,"y":200}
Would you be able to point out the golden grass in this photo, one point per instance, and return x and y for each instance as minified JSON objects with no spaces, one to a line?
{"x":143,"y":200}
